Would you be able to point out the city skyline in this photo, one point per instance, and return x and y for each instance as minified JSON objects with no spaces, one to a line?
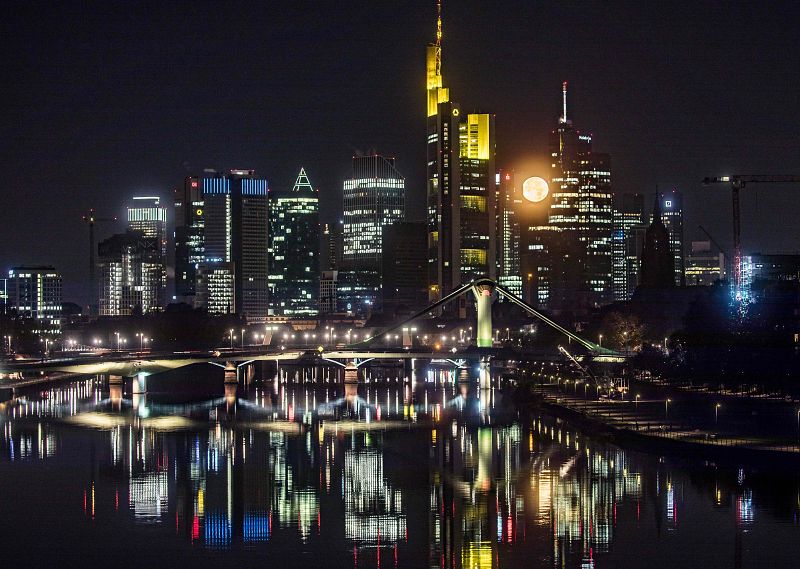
{"x":644,"y":105}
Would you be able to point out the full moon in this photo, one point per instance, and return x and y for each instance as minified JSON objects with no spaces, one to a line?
{"x":534,"y":189}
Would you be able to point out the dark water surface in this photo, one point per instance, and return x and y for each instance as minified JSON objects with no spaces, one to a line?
{"x":292,"y":475}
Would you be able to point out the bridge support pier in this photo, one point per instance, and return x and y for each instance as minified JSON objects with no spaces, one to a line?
{"x":483,"y":298}
{"x":115,"y":391}
{"x":139,"y":396}
{"x":351,"y":373}
{"x":231,"y":373}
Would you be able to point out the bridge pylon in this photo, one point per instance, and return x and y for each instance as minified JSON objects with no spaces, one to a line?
{"x":484,"y":292}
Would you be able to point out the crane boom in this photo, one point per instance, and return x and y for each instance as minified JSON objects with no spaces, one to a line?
{"x":737,"y":183}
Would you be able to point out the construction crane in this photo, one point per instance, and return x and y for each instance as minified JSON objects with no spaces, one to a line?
{"x":737,"y":183}
{"x":90,"y":219}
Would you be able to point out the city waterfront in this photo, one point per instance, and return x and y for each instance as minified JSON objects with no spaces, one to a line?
{"x":288,"y":472}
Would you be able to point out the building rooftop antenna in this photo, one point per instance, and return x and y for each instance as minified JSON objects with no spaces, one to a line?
{"x":564,"y":102}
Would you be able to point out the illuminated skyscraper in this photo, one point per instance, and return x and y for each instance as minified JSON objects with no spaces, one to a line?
{"x":705,"y":265}
{"x":146,"y":214}
{"x":672,"y":216}
{"x":131,"y":274}
{"x":35,"y":292}
{"x":581,"y":206}
{"x":627,"y":244}
{"x":374,"y":197}
{"x":477,"y":194}
{"x":443,"y":146}
{"x":294,"y":250}
{"x":509,"y":202}
{"x":222,"y":218}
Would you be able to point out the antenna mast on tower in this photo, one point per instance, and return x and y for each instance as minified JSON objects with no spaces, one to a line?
{"x":564,"y":102}
{"x":438,"y":37}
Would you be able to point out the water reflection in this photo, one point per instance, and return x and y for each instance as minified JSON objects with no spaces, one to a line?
{"x":435,"y":472}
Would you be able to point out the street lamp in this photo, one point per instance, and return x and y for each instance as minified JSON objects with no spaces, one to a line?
{"x":242,"y":338}
{"x":716,"y":413}
{"x":117,"y":334}
{"x":666,"y":408}
{"x":601,"y":341}
{"x":231,"y":337}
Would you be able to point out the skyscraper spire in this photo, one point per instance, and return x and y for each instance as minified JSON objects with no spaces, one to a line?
{"x":439,"y":37}
{"x":657,"y":208}
{"x":564,"y":102}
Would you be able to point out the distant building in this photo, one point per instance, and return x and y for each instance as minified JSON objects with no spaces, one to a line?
{"x":672,"y":216}
{"x":222,"y":218}
{"x":507,"y":227}
{"x":146,"y":214}
{"x":704,"y":265}
{"x":131,"y":274}
{"x":294,"y":250}
{"x":658,"y":262}
{"x":35,"y":292}
{"x":330,"y":254}
{"x":627,"y":244}
{"x":374,"y":197}
{"x":216,"y":288}
{"x":767,"y":267}
{"x":405,"y":259}
{"x":581,"y":207}
{"x":328,"y":292}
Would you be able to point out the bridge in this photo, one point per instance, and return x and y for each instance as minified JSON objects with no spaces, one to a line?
{"x":351,"y":356}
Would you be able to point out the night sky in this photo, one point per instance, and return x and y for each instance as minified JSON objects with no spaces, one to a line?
{"x":102,"y":101}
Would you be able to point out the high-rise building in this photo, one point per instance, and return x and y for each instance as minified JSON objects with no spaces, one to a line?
{"x":331,"y":250}
{"x":477,"y":195}
{"x":658,"y":262}
{"x":672,"y":216}
{"x":35,"y":292}
{"x":294,"y":249}
{"x":581,"y":206}
{"x":131,"y":274}
{"x":405,"y":258}
{"x":373,"y":198}
{"x":627,"y":243}
{"x":216,"y":288}
{"x":328,"y":292}
{"x":222,"y":218}
{"x":443,"y":184}
{"x":189,"y":245}
{"x":705,"y":265}
{"x":507,"y":225}
{"x":146,"y":214}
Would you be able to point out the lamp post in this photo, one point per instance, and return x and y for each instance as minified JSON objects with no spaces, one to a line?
{"x":242,"y":338}
{"x":716,"y":413}
{"x":231,"y":337}
{"x":601,"y":340}
{"x":666,"y":408}
{"x":117,"y":334}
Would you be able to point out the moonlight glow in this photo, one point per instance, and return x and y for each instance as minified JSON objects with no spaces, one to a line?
{"x":534,"y":189}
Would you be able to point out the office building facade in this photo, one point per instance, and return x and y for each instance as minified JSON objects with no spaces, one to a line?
{"x":705,"y":265}
{"x":508,"y":234}
{"x":404,"y":263}
{"x":581,"y":206}
{"x":373,"y":198}
{"x":672,"y":216}
{"x":627,"y":243}
{"x":294,"y":250}
{"x":147,"y":215}
{"x":131,"y":274}
{"x":36,"y":293}
{"x":222,"y":218}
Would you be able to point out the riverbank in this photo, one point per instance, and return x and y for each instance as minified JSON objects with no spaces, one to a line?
{"x":633,"y":423}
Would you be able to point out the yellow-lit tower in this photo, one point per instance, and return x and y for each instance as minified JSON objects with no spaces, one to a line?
{"x":443,"y":215}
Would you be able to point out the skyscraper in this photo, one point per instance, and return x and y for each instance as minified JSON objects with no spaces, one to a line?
{"x":672,"y":216}
{"x":705,"y":265}
{"x":443,"y":148}
{"x":627,"y":244}
{"x":581,"y":206}
{"x":509,"y":202}
{"x":131,"y":274}
{"x":222,"y":218}
{"x":405,"y":258}
{"x":35,"y":292}
{"x":477,"y":195}
{"x":373,"y":198}
{"x":658,"y":262}
{"x":294,"y":249}
{"x":145,"y":214}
